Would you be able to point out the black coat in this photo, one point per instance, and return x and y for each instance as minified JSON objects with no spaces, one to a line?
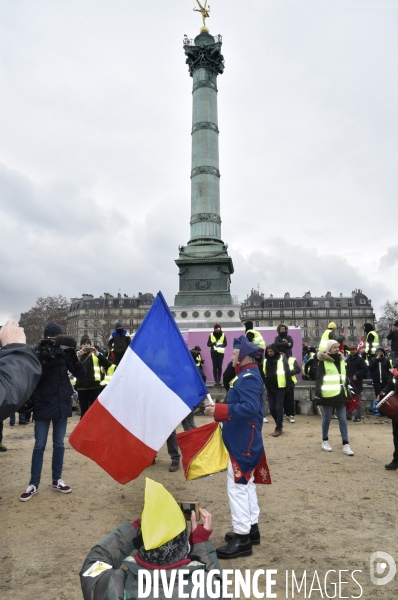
{"x":380,"y":370}
{"x":271,"y":378}
{"x":88,"y":382}
{"x":52,"y":396}
{"x":393,"y":336}
{"x":355,"y":365}
{"x":283,"y":343}
{"x":19,"y":374}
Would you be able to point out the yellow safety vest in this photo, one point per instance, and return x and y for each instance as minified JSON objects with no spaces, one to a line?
{"x":108,"y":375}
{"x":258,"y":339}
{"x":333,"y":380}
{"x":291,"y":361}
{"x":218,"y":348}
{"x":324,"y":339}
{"x":280,"y":372}
{"x":375,"y":343}
{"x":97,"y":368}
{"x":198,"y":360}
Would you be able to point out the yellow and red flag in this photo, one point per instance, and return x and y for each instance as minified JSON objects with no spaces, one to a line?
{"x":203,"y":451}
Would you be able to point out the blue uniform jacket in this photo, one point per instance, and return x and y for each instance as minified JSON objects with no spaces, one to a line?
{"x":243,"y":417}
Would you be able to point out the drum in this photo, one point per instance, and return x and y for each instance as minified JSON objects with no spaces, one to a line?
{"x":389,"y":406}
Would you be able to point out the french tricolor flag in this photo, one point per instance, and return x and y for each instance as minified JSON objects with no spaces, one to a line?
{"x":155,"y":386}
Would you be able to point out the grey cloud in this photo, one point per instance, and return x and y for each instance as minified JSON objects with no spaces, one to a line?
{"x":390,"y":259}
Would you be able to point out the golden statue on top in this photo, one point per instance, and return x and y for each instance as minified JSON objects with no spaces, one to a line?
{"x":204,"y":11}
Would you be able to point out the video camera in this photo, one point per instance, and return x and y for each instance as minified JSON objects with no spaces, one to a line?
{"x":62,"y":346}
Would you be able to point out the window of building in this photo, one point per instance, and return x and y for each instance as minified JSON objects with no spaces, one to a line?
{"x":293,"y":313}
{"x":281,"y":304}
{"x":339,"y":312}
{"x":352,"y":332}
{"x":316,"y":313}
{"x":257,"y":323}
{"x":305,"y":334}
{"x":86,"y":312}
{"x":316,"y":322}
{"x":338,"y":302}
{"x":131,"y":322}
{"x":256,"y":313}
{"x":85,"y":332}
{"x":305,"y":302}
{"x":95,"y":333}
{"x":327,"y":303}
{"x":364,"y":312}
{"x":282,"y":314}
{"x":341,"y":323}
{"x":87,"y":304}
{"x":292,"y":303}
{"x":362,"y":301}
{"x":351,"y":322}
{"x":349,"y":302}
{"x":120,"y":302}
{"x":270,"y":323}
{"x":317,"y":333}
{"x":270,"y":314}
{"x":350,"y":312}
{"x":305,"y":323}
{"x":120,"y":312}
{"x":304,"y":313}
{"x":85,"y":323}
{"x":110,"y":303}
{"x":315,"y":303}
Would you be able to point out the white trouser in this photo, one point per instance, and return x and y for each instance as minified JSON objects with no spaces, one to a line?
{"x":243,"y":503}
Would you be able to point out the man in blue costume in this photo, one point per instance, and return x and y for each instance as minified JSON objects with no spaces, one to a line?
{"x":242,"y":420}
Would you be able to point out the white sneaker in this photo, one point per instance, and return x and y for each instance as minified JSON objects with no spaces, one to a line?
{"x":326,"y":446}
{"x":347,"y":450}
{"x":291,"y":419}
{"x":265,"y":420}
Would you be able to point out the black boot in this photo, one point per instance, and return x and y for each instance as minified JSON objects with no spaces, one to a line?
{"x":239,"y":546}
{"x":392,"y":466}
{"x":254,"y":535}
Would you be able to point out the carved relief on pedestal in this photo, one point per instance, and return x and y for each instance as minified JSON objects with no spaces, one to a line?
{"x":202,"y":284}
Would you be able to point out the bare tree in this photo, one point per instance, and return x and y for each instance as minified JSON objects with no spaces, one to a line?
{"x":51,"y":308}
{"x":388,"y":317}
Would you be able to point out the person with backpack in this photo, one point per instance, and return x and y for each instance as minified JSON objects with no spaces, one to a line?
{"x":118,"y":343}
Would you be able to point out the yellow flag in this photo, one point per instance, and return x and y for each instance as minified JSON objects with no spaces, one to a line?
{"x":162,"y":518}
{"x":212,"y":459}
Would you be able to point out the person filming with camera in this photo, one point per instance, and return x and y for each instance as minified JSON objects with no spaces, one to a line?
{"x":89,"y":386}
{"x":52,"y":404}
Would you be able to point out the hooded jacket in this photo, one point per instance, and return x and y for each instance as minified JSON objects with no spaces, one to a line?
{"x":119,"y":579}
{"x":284,"y":340}
{"x":271,"y":366}
{"x":356,"y":366}
{"x":380,"y":368}
{"x":340,"y":399}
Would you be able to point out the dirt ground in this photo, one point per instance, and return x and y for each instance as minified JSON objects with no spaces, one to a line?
{"x":323,"y":511}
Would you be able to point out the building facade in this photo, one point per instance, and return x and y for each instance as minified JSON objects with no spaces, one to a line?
{"x":311,"y":313}
{"x":96,"y":317}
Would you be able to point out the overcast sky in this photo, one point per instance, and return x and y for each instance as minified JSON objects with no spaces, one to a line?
{"x":95,"y":121}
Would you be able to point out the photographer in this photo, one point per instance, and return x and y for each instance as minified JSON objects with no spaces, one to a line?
{"x":19,"y":369}
{"x":52,"y":404}
{"x":89,"y":386}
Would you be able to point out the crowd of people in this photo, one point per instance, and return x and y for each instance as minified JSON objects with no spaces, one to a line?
{"x":43,"y":380}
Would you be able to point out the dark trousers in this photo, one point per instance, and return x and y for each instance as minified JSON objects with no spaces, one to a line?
{"x":172,"y":446}
{"x":395,"y":437}
{"x":86,"y":399}
{"x":275,"y":405}
{"x":377,"y":386}
{"x":217,"y":359}
{"x":288,"y":403}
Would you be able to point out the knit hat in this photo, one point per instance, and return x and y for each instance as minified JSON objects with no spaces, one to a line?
{"x":198,"y":349}
{"x":329,"y":344}
{"x":51,"y":330}
{"x":246,"y":348}
{"x":368,"y":327}
{"x":118,"y":324}
{"x":248,"y":325}
{"x":217,"y":326}
{"x":85,"y":339}
{"x":332,"y":325}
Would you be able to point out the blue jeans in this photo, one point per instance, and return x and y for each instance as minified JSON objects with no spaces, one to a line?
{"x":342,"y":417}
{"x":41,"y":434}
{"x":22,"y":418}
{"x":275,"y":405}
